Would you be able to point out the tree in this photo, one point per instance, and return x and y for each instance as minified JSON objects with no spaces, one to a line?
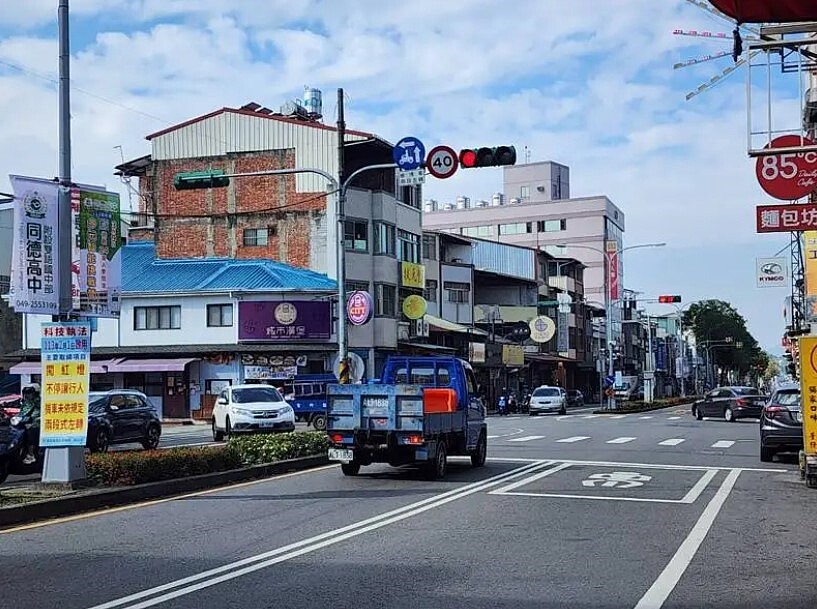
{"x":720,"y":331}
{"x":11,"y":329}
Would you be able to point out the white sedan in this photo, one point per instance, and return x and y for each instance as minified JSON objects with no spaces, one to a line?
{"x":251,"y":408}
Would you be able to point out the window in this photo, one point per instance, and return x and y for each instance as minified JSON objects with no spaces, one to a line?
{"x":430,"y":293}
{"x":408,"y":246}
{"x":357,"y":286}
{"x":410,"y":195}
{"x":546,"y":392}
{"x":385,"y":300}
{"x":157,"y":318}
{"x":456,"y":291}
{"x":430,"y":247}
{"x":384,"y":239}
{"x":5,"y":284}
{"x":356,"y":235}
{"x":551,"y":226}
{"x":256,"y":394}
{"x":219,"y":315}
{"x":257,"y":236}
{"x":518,"y":228}
{"x":479,"y":231}
{"x":524,"y":193}
{"x":422,"y":375}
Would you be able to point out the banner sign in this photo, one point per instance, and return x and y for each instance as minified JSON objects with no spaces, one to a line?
{"x":612,"y":268}
{"x":808,"y":391}
{"x":96,"y":258}
{"x":786,"y":218}
{"x":34,"y":284}
{"x":287,"y":321}
{"x":65,"y":352}
{"x":413,"y":275}
{"x":563,"y":333}
{"x":771,"y":272}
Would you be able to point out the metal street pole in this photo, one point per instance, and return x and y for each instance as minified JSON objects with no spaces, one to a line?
{"x":343,"y":344}
{"x":650,"y":367}
{"x":64,"y":464}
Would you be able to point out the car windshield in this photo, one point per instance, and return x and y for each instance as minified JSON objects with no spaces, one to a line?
{"x":97,"y":402}
{"x":256,"y":394}
{"x":788,"y":398}
{"x":746,"y":391}
{"x":546,"y":392}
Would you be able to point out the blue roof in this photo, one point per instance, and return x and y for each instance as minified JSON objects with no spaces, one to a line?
{"x":143,"y":273}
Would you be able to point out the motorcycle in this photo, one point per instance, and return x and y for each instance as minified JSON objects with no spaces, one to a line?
{"x":13,"y":448}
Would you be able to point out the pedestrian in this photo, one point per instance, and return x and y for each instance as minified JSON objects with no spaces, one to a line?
{"x":30,"y":418}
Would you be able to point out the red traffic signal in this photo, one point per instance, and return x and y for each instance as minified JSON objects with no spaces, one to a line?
{"x":669,"y":299}
{"x":487,"y":157}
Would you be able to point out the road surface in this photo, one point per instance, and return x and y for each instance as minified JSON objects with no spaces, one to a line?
{"x":581,"y":511}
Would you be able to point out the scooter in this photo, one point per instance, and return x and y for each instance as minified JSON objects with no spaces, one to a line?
{"x":13,"y":450}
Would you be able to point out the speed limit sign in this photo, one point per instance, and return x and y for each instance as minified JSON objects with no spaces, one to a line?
{"x":788,"y":176}
{"x":442,"y":162}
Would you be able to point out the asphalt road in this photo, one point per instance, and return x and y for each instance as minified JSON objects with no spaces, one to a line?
{"x":577,"y":511}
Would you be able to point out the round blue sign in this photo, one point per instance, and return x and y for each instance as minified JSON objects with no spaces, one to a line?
{"x":409,"y":153}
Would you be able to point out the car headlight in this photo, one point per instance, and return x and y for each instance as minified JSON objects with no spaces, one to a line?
{"x":285,"y":410}
{"x":243,"y":412}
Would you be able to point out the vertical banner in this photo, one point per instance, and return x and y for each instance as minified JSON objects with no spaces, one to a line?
{"x":810,"y":274}
{"x":611,"y":247}
{"x":808,"y":392}
{"x":563,"y":330}
{"x":35,"y":249}
{"x":65,"y":351}
{"x":97,"y":253}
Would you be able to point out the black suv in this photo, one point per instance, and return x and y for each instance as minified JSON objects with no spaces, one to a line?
{"x":781,"y":422}
{"x":121,"y":416}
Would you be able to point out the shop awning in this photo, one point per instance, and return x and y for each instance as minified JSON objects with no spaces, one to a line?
{"x":426,"y":347}
{"x":450,"y":326}
{"x":97,"y":367}
{"x":152,"y":365}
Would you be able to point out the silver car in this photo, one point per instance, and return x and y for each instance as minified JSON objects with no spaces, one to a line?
{"x":548,"y":399}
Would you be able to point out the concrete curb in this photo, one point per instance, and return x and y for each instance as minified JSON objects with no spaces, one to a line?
{"x":95,"y":499}
{"x":639,"y":410}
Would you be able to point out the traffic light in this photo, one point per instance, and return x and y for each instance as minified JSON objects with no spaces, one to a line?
{"x":196,"y":180}
{"x":669,"y":299}
{"x":487,"y":157}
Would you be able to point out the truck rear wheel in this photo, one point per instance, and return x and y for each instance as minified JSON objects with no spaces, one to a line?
{"x":350,"y":469}
{"x":437,"y":468}
{"x":480,"y":452}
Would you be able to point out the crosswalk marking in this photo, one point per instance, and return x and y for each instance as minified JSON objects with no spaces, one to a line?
{"x":723,"y":444}
{"x":574,"y":439}
{"x":671,"y":442}
{"x":526,"y":438}
{"x":591,"y":416}
{"x":673,"y":418}
{"x":647,"y":417}
{"x":620,"y":440}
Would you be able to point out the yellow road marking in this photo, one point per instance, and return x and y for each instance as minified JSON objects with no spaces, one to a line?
{"x":133,"y":506}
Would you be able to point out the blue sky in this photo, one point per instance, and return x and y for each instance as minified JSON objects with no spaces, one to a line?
{"x":592,"y":88}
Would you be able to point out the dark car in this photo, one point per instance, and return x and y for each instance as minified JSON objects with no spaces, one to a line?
{"x":575,"y":398}
{"x":122,"y":416}
{"x":731,"y":403}
{"x":781,"y":423}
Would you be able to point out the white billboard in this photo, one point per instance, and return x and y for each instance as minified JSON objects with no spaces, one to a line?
{"x":772,"y":273}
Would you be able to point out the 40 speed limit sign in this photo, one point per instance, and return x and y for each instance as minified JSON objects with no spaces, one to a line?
{"x":442,"y":162}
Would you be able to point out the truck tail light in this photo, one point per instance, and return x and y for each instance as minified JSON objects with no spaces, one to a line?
{"x":414,"y":439}
{"x":337,"y":438}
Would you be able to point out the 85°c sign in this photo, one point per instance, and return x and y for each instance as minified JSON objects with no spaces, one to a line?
{"x":788,"y":176}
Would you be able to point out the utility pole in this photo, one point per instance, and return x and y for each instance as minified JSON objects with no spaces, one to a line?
{"x":64,"y":464}
{"x":343,"y":345}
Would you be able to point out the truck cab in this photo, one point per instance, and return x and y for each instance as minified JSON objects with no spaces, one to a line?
{"x":422,"y":410}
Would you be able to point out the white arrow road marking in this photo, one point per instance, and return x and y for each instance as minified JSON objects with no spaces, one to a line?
{"x":647,"y":417}
{"x":620,"y":440}
{"x":673,"y":418}
{"x":526,"y":438}
{"x":671,"y":442}
{"x":574,"y":439}
{"x":723,"y":444}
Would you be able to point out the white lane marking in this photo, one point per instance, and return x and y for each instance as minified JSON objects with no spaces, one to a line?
{"x":574,"y":439}
{"x":647,"y":417}
{"x":565,"y":416}
{"x":618,"y":416}
{"x":261,"y":561}
{"x":515,"y":432}
{"x":620,"y":440}
{"x":529,"y":479}
{"x":493,"y":437}
{"x":591,"y":416}
{"x":671,"y":442}
{"x":663,"y":586}
{"x":526,"y":438}
{"x":673,"y":418}
{"x":699,"y":487}
{"x":723,"y":444}
{"x":690,"y":468}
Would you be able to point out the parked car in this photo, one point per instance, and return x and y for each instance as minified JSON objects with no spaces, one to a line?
{"x":781,"y":422}
{"x":121,"y":416}
{"x":731,"y":403}
{"x":575,"y":398}
{"x":548,"y":399}
{"x":251,"y":408}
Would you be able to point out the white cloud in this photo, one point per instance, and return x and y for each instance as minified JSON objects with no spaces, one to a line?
{"x":590,"y":85}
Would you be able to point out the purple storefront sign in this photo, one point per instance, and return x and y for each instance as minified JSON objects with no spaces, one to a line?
{"x":284,"y":321}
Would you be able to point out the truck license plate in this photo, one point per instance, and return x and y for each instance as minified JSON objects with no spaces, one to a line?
{"x":344,"y":455}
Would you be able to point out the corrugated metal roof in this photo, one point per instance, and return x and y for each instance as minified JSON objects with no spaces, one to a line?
{"x":143,"y":273}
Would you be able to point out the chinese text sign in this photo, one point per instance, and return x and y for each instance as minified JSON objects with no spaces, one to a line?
{"x":808,"y":392}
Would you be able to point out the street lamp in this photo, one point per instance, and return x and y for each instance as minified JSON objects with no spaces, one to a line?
{"x":608,"y":297}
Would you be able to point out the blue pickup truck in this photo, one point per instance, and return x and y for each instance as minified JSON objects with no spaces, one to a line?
{"x":423,"y":410}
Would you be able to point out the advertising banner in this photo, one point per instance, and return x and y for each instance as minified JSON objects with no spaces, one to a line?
{"x":786,"y":218}
{"x":612,"y":269}
{"x":34,"y":286}
{"x":772,"y":273}
{"x":808,"y":391}
{"x":65,"y":351}
{"x":96,"y":257}
{"x":513,"y":355}
{"x":277,"y":321}
{"x":413,"y":275}
{"x":542,"y":329}
{"x":563,"y":333}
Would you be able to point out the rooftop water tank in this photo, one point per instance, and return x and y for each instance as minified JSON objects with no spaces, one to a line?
{"x":498,"y":199}
{"x":312,"y":102}
{"x":430,"y":205}
{"x":481,"y":203}
{"x":448,"y":206}
{"x":515,"y":200}
{"x":463,"y":202}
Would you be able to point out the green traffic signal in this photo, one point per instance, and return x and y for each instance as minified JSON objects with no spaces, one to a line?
{"x":197,"y":180}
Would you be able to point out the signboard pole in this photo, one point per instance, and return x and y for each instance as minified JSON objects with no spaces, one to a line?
{"x":343,"y":346}
{"x":64,"y":464}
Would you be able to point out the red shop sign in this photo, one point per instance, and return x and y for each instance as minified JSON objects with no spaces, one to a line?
{"x":788,"y":176}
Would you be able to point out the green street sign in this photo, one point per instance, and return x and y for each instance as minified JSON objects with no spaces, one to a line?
{"x":196,"y":180}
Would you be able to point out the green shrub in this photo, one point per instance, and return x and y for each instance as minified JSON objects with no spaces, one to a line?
{"x":138,"y":467}
{"x":265,"y":448}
